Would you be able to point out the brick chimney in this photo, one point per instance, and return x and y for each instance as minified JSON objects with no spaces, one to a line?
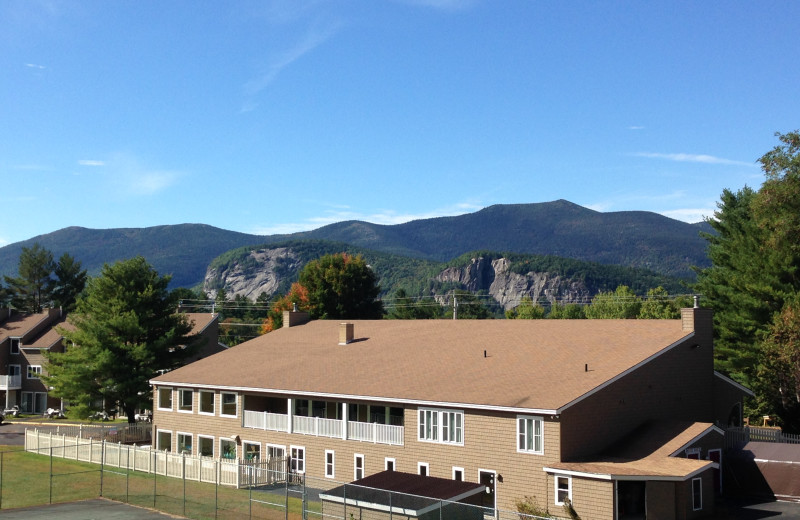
{"x":346,"y":333}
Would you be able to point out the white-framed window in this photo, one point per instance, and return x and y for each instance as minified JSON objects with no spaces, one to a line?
{"x":227,"y":448}
{"x":423,"y":468}
{"x":206,"y":402}
{"x":185,"y":397}
{"x":14,"y":345}
{"x":252,"y":450}
{"x":697,"y":494}
{"x":34,"y":371}
{"x":389,"y":464}
{"x":275,"y":451}
{"x":14,"y":370}
{"x":164,"y":440}
{"x":330,"y":463}
{"x":298,"y":459}
{"x":165,"y":398}
{"x":358,"y":466}
{"x":185,"y":443}
{"x":443,"y":426}
{"x":563,"y":489}
{"x":693,"y":453}
{"x":458,"y":474}
{"x":205,"y":446}
{"x":227,"y":407}
{"x":530,"y":434}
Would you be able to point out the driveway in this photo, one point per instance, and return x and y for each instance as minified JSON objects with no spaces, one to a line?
{"x":12,"y":434}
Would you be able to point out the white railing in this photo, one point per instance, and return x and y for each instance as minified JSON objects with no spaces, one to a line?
{"x":276,"y":422}
{"x":374,"y":432}
{"x":226,"y":472}
{"x":10,"y":382}
{"x":124,"y":433}
{"x":317,"y":426}
{"x":321,"y":427}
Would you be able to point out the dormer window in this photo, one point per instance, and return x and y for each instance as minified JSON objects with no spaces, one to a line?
{"x":15,"y":345}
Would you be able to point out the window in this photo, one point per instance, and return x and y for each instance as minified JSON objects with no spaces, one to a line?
{"x":227,"y":447}
{"x":228,"y":405}
{"x":252,"y":451}
{"x":27,"y":402}
{"x":298,"y":460}
{"x":185,"y":443}
{"x":34,"y":371}
{"x":358,"y":467}
{"x":389,"y":464}
{"x":422,"y":468}
{"x":185,"y":400}
{"x":15,"y":345}
{"x":529,"y":434}
{"x":563,"y":489}
{"x":275,"y":452}
{"x":443,"y":426}
{"x":164,"y":441}
{"x":165,"y":398}
{"x":329,"y":463}
{"x":697,"y":494}
{"x":205,"y":446}
{"x":458,"y":474}
{"x":206,"y":402}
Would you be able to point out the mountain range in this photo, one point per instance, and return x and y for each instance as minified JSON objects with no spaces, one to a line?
{"x":559,"y":228}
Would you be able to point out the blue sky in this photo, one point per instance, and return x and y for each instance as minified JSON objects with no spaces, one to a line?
{"x":270,"y":117}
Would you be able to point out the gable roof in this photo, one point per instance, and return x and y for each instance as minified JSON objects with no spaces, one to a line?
{"x":513,"y":365}
{"x":18,"y":325}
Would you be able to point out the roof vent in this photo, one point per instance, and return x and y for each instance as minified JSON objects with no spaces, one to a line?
{"x":346,"y":333}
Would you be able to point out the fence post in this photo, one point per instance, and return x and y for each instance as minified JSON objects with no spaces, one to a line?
{"x":184,"y":483}
{"x":2,"y":453}
{"x":51,"y":473}
{"x":286,"y":492}
{"x":102,"y":464}
{"x":128,"y":473}
{"x":80,"y":431}
{"x":155,"y":475}
{"x":216,"y":488}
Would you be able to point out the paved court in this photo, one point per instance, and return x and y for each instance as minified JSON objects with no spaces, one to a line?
{"x":86,"y":510}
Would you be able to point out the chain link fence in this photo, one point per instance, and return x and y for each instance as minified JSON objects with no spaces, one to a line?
{"x":41,"y":475}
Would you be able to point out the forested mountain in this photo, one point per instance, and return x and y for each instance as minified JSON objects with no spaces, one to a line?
{"x":507,"y":278}
{"x":560,"y":228}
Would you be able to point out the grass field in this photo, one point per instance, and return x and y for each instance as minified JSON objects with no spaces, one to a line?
{"x":28,"y":479}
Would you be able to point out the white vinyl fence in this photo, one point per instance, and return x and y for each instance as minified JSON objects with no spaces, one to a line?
{"x":235,"y":473}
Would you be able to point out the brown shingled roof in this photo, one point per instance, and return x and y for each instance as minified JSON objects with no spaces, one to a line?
{"x":20,"y":324}
{"x":646,"y":452}
{"x":529,"y":364}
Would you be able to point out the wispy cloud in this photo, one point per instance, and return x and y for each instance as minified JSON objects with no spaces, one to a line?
{"x":384,"y":217}
{"x":35,"y":66}
{"x":634,"y":127}
{"x":151,"y":182}
{"x":693,"y":158}
{"x":91,"y":162}
{"x":315,"y":36}
{"x":690,"y":215}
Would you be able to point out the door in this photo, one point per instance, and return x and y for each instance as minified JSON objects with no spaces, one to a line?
{"x":488,"y":500}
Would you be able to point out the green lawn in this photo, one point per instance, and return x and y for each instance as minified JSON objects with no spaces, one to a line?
{"x":25,"y":480}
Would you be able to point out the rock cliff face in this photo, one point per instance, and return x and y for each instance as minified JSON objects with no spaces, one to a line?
{"x":508,"y":288}
{"x":272,"y":270}
{"x":264,"y":270}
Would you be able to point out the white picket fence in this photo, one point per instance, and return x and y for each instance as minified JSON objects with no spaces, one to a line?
{"x":235,"y":473}
{"x":124,"y":433}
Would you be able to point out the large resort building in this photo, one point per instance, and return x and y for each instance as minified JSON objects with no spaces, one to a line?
{"x":617,"y":417}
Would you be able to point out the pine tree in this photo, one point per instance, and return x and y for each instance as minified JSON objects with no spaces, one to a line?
{"x":125,"y":331}
{"x":69,"y":283}
{"x":32,"y":290}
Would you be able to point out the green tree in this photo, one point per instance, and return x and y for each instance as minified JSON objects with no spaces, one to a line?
{"x":566,"y":311}
{"x":406,"y":307}
{"x":778,"y":382}
{"x":125,"y":331}
{"x":341,"y":286}
{"x":32,"y":290}
{"x":621,"y":304}
{"x":659,"y":305}
{"x":526,"y":310}
{"x":469,"y":307}
{"x":70,"y":280}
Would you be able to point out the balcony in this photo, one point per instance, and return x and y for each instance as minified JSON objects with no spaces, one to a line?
{"x":321,"y":427}
{"x":10,"y":382}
